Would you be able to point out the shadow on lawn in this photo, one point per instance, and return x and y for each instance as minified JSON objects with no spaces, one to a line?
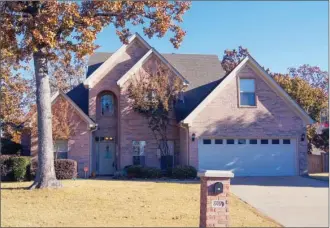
{"x":17,"y":188}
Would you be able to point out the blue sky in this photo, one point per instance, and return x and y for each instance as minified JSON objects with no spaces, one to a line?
{"x":278,"y":34}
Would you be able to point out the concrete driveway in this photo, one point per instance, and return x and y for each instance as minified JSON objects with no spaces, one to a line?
{"x":291,"y":201}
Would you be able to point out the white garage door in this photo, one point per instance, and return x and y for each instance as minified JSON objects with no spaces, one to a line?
{"x":249,"y":157}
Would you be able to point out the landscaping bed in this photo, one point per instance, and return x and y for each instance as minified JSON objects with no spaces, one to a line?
{"x":94,"y":203}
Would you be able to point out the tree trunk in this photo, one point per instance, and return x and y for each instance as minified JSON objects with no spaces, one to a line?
{"x":45,"y":176}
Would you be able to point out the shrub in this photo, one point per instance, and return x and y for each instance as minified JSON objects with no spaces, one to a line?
{"x":151,"y":172}
{"x":184,"y":172}
{"x":64,"y":169}
{"x":14,"y":168}
{"x":138,"y":171}
{"x":5,"y":167}
{"x":19,"y":166}
{"x":133,"y":171}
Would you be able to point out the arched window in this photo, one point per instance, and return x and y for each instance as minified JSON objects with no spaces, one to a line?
{"x":107,"y":104}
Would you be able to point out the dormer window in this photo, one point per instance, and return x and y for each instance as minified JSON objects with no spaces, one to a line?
{"x":247,"y":92}
{"x":107,"y":104}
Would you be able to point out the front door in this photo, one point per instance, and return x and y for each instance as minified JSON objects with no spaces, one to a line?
{"x":106,"y":158}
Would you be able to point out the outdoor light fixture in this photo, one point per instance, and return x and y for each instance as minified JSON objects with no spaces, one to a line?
{"x":302,"y":137}
{"x":193,"y":137}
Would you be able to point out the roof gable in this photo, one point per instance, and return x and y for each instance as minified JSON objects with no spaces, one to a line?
{"x":103,"y":68}
{"x":144,"y":59}
{"x":98,"y":69}
{"x":267,"y":78}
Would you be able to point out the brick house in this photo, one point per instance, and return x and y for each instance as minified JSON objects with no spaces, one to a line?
{"x":243,"y":121}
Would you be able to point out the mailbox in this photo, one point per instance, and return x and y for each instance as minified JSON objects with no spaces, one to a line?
{"x":218,"y":188}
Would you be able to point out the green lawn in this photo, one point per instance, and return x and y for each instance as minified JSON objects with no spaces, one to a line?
{"x":92,"y":203}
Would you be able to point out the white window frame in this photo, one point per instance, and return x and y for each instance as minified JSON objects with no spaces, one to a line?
{"x":140,"y":146}
{"x":240,"y":92}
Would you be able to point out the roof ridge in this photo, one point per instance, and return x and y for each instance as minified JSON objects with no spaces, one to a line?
{"x":164,"y":53}
{"x":188,"y":54}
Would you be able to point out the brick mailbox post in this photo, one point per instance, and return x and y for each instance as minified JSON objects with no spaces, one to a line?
{"x":214,"y":207}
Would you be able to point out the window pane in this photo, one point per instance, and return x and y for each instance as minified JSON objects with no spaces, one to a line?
{"x":139,"y":160}
{"x":286,"y":141}
{"x":264,"y":141}
{"x":206,"y":141}
{"x":247,"y":99}
{"x":230,"y":141}
{"x":107,"y":104}
{"x":218,"y":141}
{"x":61,"y":155}
{"x":61,"y":146}
{"x":138,"y":148}
{"x":242,"y":141}
{"x":247,"y":85}
{"x":253,"y":141}
{"x":275,"y":141}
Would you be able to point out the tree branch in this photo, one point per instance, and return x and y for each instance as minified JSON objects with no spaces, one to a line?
{"x":107,"y":14}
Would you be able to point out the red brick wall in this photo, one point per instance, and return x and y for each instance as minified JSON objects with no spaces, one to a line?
{"x":135,"y":127}
{"x":128,"y":125}
{"x":78,"y":144}
{"x":209,"y":216}
{"x":272,"y":117}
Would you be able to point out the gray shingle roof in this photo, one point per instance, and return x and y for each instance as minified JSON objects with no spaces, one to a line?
{"x":79,"y":95}
{"x":204,"y":72}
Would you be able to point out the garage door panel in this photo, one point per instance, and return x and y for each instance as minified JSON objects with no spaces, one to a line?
{"x":249,"y":159}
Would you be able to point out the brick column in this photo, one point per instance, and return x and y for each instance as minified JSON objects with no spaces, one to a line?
{"x":214,"y":207}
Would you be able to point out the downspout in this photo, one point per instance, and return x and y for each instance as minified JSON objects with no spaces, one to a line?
{"x":92,"y":129}
{"x":186,"y":127}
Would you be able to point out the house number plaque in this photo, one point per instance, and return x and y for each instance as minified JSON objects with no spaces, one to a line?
{"x":218,"y":203}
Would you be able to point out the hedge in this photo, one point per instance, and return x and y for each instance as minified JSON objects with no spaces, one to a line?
{"x":64,"y":168}
{"x":178,"y":172}
{"x":183,"y":172}
{"x":14,"y":168}
{"x":19,"y":168}
{"x":138,"y":171}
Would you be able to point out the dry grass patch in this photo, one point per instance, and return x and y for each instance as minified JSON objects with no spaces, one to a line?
{"x":92,"y":203}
